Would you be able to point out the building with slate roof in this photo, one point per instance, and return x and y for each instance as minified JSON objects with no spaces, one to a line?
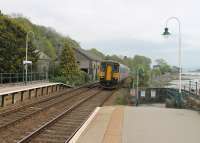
{"x":88,"y":62}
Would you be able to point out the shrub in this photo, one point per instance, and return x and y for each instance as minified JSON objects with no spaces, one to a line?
{"x":72,"y":79}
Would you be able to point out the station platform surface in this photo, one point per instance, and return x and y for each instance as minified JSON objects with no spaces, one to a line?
{"x":126,"y":124}
{"x":10,"y":89}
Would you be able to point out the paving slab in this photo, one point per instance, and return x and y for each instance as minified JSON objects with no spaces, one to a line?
{"x":117,"y":124}
{"x":113,"y":132}
{"x":94,"y":132}
{"x":161,"y":125}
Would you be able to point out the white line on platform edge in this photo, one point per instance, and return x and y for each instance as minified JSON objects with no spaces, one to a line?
{"x":80,"y":131}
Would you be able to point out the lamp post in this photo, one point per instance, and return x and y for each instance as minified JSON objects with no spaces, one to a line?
{"x":137,"y":83}
{"x":137,"y":72}
{"x":26,"y":62}
{"x":167,"y":33}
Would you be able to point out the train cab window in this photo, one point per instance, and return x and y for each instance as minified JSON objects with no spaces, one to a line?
{"x":115,"y":68}
{"x":103,"y":67}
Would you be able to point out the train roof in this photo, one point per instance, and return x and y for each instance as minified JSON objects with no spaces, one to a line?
{"x":111,"y":61}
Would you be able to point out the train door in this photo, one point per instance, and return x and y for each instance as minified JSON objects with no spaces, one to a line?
{"x":108,"y":72}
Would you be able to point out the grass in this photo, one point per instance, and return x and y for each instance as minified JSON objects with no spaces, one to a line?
{"x":121,"y":96}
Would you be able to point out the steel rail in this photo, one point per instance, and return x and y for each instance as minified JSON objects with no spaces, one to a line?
{"x":40,"y":110}
{"x":87,"y":118}
{"x":44,"y":100}
{"x":60,"y":116}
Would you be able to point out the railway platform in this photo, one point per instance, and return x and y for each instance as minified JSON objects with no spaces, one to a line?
{"x":12,"y":94}
{"x":125,"y":124}
{"x":6,"y":89}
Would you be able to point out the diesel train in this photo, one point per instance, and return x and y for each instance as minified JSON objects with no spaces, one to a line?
{"x":111,"y":73}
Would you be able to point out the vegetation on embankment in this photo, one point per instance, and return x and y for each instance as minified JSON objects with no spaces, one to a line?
{"x":68,"y":71}
{"x":122,"y":96}
{"x":13,"y":32}
{"x":12,"y":46}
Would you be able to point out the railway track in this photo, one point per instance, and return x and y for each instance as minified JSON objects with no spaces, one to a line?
{"x":61,"y":128}
{"x":13,"y":116}
{"x":42,"y":99}
{"x":14,"y":125}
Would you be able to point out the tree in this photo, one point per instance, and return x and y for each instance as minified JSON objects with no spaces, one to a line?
{"x":164,"y":67}
{"x":47,"y":39}
{"x":98,"y":53}
{"x":155,"y":72}
{"x":142,"y":62}
{"x":12,"y":46}
{"x":68,"y":66}
{"x":114,"y":58}
{"x":129,"y":62}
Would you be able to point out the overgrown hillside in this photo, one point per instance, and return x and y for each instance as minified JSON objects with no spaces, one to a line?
{"x":46,"y":38}
{"x":13,"y":30}
{"x":12,"y":46}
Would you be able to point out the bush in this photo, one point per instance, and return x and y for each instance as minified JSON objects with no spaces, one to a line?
{"x":76,"y":79}
{"x":121,"y":96}
{"x":61,"y":79}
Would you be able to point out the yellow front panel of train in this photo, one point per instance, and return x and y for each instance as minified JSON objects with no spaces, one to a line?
{"x":101,"y":74}
{"x":109,"y":72}
{"x":116,"y":75}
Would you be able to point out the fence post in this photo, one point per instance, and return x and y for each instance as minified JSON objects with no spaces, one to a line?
{"x":31,"y":77}
{"x":189,"y":87}
{"x":17,"y":77}
{"x":196,"y":89}
{"x":10,"y":78}
{"x":22,"y":77}
{"x":31,"y":73}
{"x":46,"y":76}
{"x":1,"y":78}
{"x":199,"y":91}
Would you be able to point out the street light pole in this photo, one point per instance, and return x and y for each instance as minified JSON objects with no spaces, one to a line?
{"x":137,"y":83}
{"x":179,"y":46}
{"x":26,"y":61}
{"x":138,"y":78}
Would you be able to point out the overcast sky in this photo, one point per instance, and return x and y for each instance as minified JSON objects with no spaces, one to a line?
{"x":122,"y":27}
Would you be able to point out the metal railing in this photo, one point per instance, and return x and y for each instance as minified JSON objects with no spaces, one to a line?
{"x":6,"y":78}
{"x":192,"y":87}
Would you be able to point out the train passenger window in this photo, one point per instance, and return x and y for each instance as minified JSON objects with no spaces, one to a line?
{"x":103,"y":67}
{"x":115,"y":68}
